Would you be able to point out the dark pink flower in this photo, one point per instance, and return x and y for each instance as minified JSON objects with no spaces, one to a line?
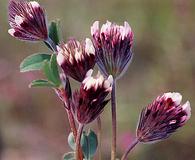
{"x":90,"y":100}
{"x":163,"y":117}
{"x":76,"y":58}
{"x":27,"y":20}
{"x":113,"y":46}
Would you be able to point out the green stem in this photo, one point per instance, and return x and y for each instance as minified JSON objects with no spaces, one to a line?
{"x":114,"y":123}
{"x":78,"y":139}
{"x":130,"y":147}
{"x":99,"y":126}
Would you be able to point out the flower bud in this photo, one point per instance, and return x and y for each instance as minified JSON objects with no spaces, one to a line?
{"x":162,"y":117}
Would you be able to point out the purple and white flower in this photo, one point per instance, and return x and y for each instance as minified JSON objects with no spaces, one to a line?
{"x":76,"y":58}
{"x":162,"y":117}
{"x":89,"y":102}
{"x":113,"y":46}
{"x":27,"y":21}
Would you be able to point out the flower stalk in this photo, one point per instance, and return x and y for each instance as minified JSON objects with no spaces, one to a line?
{"x":72,"y":123}
{"x":78,"y":139}
{"x":99,"y":132}
{"x":130,"y":147}
{"x":114,"y":123}
{"x":74,"y":130}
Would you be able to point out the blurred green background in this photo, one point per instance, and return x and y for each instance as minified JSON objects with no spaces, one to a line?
{"x":33,"y":123}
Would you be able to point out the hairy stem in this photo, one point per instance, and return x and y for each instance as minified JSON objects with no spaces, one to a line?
{"x":114,"y":123}
{"x":99,"y":126}
{"x":130,"y":147}
{"x":78,"y":139}
{"x":72,"y":123}
{"x":73,"y":129}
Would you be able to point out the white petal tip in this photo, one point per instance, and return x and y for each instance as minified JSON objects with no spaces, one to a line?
{"x":58,"y":48}
{"x":110,"y":79}
{"x":60,"y":59}
{"x":18,"y":20}
{"x":94,"y":27}
{"x":11,"y":31}
{"x":186,"y":107}
{"x":175,"y":96}
{"x":126,"y":24}
{"x":89,"y":73}
{"x":89,"y":48}
{"x":34,"y":4}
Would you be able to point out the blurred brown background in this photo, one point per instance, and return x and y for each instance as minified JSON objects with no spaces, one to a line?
{"x":33,"y":123}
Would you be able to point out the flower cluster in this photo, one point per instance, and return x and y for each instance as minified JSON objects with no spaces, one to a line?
{"x":89,"y":101}
{"x":27,"y":21}
{"x":113,"y":46}
{"x":76,"y":58}
{"x":163,"y":117}
{"x":111,"y":50}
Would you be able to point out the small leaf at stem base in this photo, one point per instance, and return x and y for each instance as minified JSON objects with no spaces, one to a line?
{"x":34,"y":62}
{"x":41,"y":83}
{"x":69,"y":156}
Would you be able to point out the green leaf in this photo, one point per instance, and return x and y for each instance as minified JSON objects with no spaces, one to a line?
{"x":41,"y":83}
{"x":90,"y":144}
{"x":69,"y":156}
{"x":47,"y":72}
{"x":51,"y":71}
{"x":34,"y":62}
{"x":54,"y":32}
{"x":71,"y":141}
{"x":54,"y":69}
{"x":85,"y":146}
{"x":93,"y":142}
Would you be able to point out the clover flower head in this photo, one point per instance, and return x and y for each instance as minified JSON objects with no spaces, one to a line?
{"x":113,"y":46}
{"x":27,"y":20}
{"x":162,"y":117}
{"x":76,"y":58}
{"x":89,"y":102}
